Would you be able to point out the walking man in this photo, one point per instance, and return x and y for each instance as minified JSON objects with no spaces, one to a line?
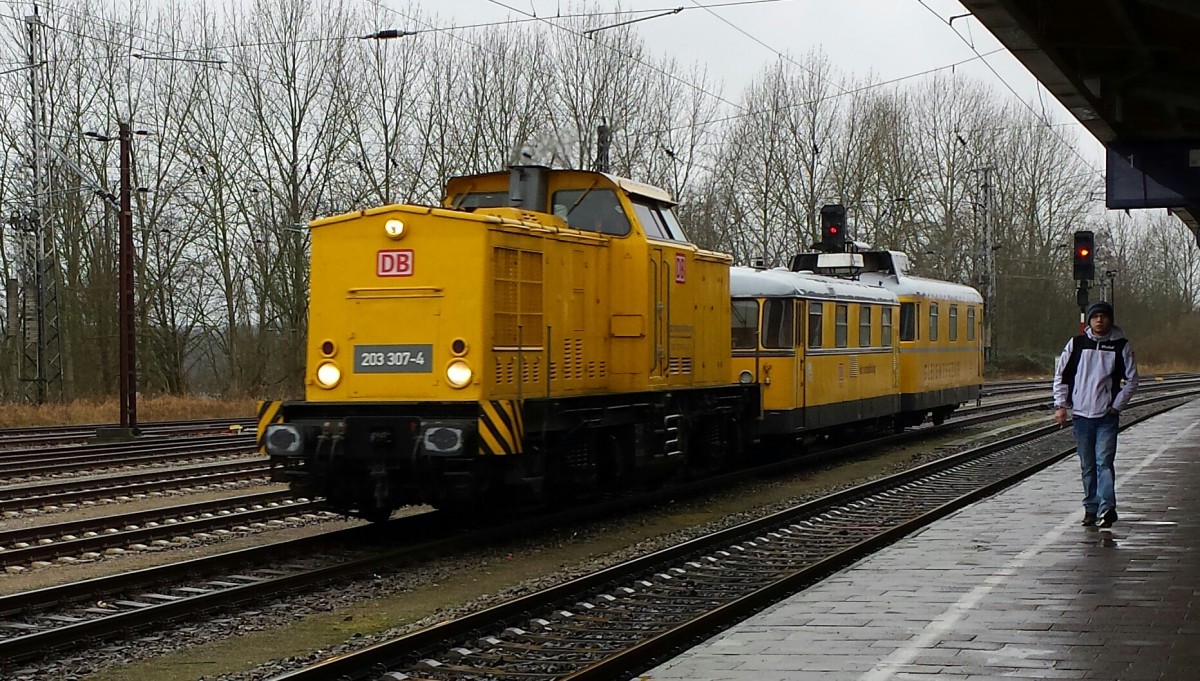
{"x":1088,"y":381}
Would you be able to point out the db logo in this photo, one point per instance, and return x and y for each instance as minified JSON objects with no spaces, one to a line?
{"x":394,"y":263}
{"x":680,"y":268}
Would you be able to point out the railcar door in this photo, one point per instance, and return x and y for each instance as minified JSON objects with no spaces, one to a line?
{"x":798,"y":321}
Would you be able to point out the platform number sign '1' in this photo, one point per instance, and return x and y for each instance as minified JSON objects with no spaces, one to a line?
{"x":680,"y":268}
{"x":394,"y":263}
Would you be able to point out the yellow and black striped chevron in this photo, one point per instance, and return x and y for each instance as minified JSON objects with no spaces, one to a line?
{"x":268,"y":413}
{"x":501,"y":427}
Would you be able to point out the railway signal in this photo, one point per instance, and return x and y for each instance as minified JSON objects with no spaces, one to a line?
{"x":1084,"y":255}
{"x":833,"y":226}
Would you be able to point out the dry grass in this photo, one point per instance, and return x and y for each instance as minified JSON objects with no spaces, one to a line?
{"x":162,"y":408}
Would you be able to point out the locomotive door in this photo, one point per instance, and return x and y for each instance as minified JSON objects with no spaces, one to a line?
{"x":660,"y":284}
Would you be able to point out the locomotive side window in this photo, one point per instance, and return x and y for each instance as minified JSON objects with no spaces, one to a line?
{"x":864,"y":326}
{"x":650,"y":220}
{"x":814,"y":324}
{"x":591,"y":210}
{"x":841,"y":325}
{"x":953,"y":323}
{"x":908,"y":321}
{"x":674,"y":229}
{"x":745,"y":324}
{"x":933,"y":322}
{"x":885,"y":330}
{"x":970,"y":323}
{"x":777,"y":323}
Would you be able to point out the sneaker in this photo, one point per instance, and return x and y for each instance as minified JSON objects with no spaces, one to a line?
{"x":1110,"y":517}
{"x":1089,"y":519}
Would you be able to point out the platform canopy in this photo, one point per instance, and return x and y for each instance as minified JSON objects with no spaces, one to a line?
{"x":1129,"y":70}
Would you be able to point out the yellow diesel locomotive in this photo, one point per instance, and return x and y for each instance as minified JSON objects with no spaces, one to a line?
{"x":544,"y":333}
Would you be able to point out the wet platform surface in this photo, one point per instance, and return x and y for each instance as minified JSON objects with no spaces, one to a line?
{"x":1011,"y":587}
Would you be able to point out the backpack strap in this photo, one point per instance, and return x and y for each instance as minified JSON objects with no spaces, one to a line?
{"x":1072,"y":365}
{"x":1118,"y":373}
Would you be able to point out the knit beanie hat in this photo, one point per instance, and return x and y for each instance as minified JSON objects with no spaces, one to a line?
{"x":1099,"y":308}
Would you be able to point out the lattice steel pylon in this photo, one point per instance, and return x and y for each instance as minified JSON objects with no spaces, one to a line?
{"x":41,"y":362}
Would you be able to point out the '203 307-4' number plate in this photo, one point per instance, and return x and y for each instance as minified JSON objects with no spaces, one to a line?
{"x":393,"y":359}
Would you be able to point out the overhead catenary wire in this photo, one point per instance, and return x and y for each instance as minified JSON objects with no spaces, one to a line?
{"x":1010,"y":88}
{"x":781,"y":55}
{"x":627,"y":56}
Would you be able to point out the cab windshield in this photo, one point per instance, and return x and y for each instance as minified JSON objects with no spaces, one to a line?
{"x":591,"y":210}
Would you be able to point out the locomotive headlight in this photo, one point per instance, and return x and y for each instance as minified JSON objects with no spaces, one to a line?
{"x":394,"y":229}
{"x":458,"y":374}
{"x":745,"y":377}
{"x":328,"y":375}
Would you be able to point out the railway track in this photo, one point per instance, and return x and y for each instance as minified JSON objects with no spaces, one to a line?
{"x":58,"y":495}
{"x":44,"y":462}
{"x":11,"y":437}
{"x":620,"y":620}
{"x":38,"y":616}
{"x":159,"y":527}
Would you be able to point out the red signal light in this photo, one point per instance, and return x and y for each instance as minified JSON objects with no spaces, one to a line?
{"x":832,"y":229}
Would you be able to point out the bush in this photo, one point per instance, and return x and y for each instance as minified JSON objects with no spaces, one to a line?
{"x":1022,"y":363}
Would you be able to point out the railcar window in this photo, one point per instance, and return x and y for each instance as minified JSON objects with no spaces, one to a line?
{"x":650,"y":221}
{"x":841,"y":325}
{"x":864,"y":326}
{"x":777,"y":323}
{"x":933,"y":322}
{"x":970,"y":323}
{"x":885,"y":327}
{"x":745,"y":324}
{"x":673,"y":227}
{"x":591,"y":210}
{"x":815,"y":311}
{"x":953,"y":323}
{"x":908,"y":321}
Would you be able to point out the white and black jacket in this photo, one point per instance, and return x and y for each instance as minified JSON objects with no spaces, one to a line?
{"x":1088,"y":374}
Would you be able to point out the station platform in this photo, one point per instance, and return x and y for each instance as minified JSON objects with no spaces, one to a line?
{"x":1010,"y":587}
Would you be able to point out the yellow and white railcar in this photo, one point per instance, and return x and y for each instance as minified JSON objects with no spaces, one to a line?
{"x":823,"y":349}
{"x":941,"y":338}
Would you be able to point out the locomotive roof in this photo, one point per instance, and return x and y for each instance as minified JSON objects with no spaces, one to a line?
{"x":629,"y":186}
{"x":641,"y":189}
{"x":746,"y":282}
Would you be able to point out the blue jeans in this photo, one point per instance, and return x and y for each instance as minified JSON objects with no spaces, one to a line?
{"x":1097,"y":446}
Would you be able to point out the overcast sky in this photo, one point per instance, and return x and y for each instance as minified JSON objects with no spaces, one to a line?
{"x":888,"y":38}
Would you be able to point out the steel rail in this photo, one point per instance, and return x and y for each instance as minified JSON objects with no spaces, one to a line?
{"x":163,"y":454}
{"x":71,"y":433}
{"x":47,"y":542}
{"x":74,"y":490}
{"x":35,"y":454}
